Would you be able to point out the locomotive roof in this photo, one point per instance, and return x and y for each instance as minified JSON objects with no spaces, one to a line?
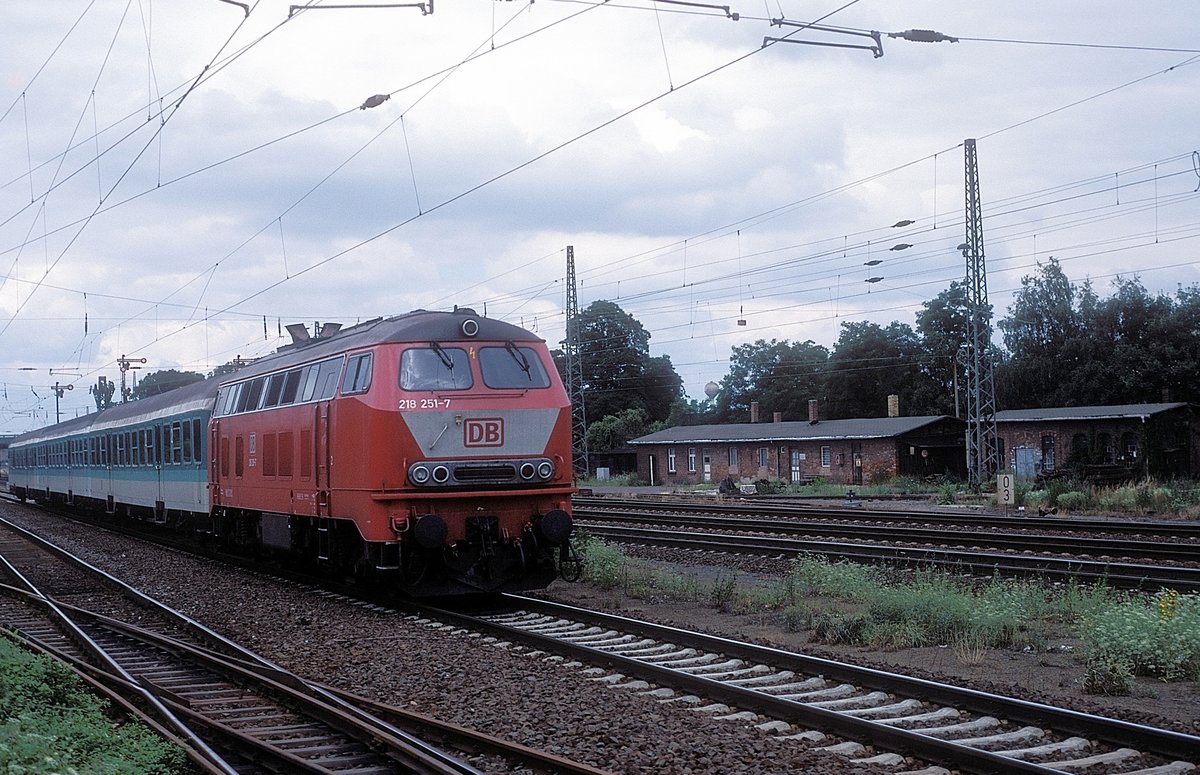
{"x":416,"y":326}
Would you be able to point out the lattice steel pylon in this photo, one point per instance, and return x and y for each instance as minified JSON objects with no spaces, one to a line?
{"x":982,"y":458}
{"x":579,"y":450}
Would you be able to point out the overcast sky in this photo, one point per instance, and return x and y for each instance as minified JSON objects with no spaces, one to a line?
{"x":173,"y":174}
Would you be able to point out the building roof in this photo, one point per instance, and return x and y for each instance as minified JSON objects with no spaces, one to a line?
{"x":1062,"y":413}
{"x":825,"y":430}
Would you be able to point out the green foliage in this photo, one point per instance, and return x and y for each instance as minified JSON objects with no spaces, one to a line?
{"x":614,"y":431}
{"x":781,"y":376}
{"x":1072,"y":501}
{"x":1158,"y":638}
{"x":164,"y":381}
{"x":51,"y":724}
{"x":603,"y":563}
{"x":618,"y":372}
{"x":724,"y":592}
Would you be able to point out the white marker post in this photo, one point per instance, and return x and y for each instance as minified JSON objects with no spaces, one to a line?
{"x":1006,"y":493}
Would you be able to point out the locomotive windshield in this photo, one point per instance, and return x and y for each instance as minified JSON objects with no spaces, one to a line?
{"x":435,"y":368}
{"x":512,"y":367}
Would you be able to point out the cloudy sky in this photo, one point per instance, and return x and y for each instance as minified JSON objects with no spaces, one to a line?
{"x":178,"y":180}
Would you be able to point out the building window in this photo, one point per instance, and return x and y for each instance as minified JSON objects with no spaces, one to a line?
{"x":826,"y":457}
{"x":670,"y":460}
{"x":692,"y":459}
{"x":1047,"y":453}
{"x":733,"y":457}
{"x":763,"y":457}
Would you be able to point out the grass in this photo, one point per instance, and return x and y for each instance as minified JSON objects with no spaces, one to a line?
{"x":50,"y":723}
{"x":1149,"y":496}
{"x":1123,"y":634}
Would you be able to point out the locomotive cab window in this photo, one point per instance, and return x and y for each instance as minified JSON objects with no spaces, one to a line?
{"x":512,"y":367}
{"x":435,"y":368}
{"x":358,"y":374}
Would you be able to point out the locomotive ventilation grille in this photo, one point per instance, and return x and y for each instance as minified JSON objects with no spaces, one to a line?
{"x":451,"y":473}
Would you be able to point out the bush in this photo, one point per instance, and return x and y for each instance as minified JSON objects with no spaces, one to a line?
{"x":1072,"y":501}
{"x":1159,"y":638}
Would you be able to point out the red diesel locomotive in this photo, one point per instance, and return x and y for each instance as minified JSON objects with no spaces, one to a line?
{"x":430,"y":451}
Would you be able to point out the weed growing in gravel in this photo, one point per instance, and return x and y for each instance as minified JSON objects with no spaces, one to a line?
{"x":51,"y":724}
{"x":1159,"y":637}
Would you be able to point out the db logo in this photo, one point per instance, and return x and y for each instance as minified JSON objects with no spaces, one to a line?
{"x":487,"y":432}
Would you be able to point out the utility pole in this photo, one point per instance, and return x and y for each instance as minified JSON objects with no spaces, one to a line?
{"x":579,"y":456}
{"x":982,"y":458}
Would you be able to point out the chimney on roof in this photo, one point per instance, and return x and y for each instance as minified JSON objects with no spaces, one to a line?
{"x":893,"y":405}
{"x":813,"y":416}
{"x":779,"y":417}
{"x":753,"y":411}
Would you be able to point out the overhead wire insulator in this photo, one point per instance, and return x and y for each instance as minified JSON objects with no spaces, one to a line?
{"x":923,"y":36}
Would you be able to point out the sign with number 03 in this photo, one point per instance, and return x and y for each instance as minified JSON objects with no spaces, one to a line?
{"x":1005,"y":492}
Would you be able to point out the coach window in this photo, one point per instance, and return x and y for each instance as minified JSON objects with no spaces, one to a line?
{"x":511,"y":367}
{"x":121,"y":440}
{"x":186,"y":442}
{"x":137,"y":448}
{"x":197,"y":441}
{"x":358,"y":374}
{"x":176,"y":443}
{"x":670,"y":460}
{"x":435,"y":368}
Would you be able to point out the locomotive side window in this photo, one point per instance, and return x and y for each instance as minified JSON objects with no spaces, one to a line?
{"x":512,"y":367}
{"x":435,"y":368}
{"x":327,"y":378}
{"x":291,"y":387}
{"x":274,"y":390}
{"x":358,"y":374}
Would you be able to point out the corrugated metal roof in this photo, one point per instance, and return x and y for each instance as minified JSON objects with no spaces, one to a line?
{"x":825,"y":430}
{"x":1061,"y":413}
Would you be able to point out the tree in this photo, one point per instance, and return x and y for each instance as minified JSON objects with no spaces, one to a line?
{"x":618,"y":372}
{"x":229,"y":367}
{"x":869,"y":363}
{"x":614,"y":431}
{"x":942,"y":326}
{"x":157,"y":382}
{"x":780,"y":376}
{"x":1041,"y":321}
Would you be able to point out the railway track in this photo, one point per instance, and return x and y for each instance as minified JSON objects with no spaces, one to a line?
{"x":1053,"y":557}
{"x":764,"y":508}
{"x":890,"y":721}
{"x":233,"y":711}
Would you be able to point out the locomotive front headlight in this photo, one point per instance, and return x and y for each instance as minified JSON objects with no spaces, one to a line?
{"x":441,"y":474}
{"x":528,"y":471}
{"x":419,"y":474}
{"x":545,"y":469}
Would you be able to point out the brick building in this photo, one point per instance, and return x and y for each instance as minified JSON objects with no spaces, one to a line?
{"x":853,"y":452}
{"x":1126,"y":441}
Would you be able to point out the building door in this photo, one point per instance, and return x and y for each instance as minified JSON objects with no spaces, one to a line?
{"x":795,"y":460}
{"x":1025,"y":463}
{"x":706,"y":459}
